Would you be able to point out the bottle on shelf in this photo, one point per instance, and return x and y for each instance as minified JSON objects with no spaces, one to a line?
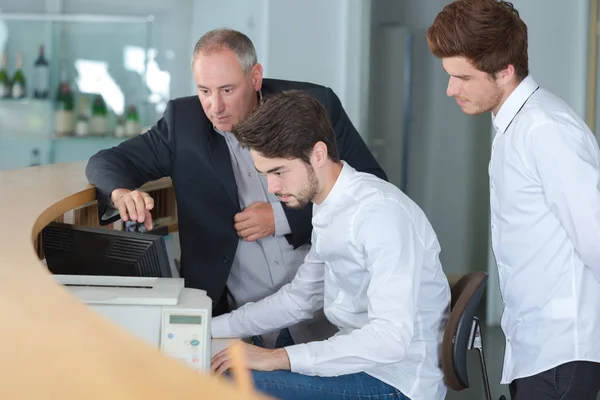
{"x":41,"y":74}
{"x":82,"y":126}
{"x":19,"y":86}
{"x":35,"y":158}
{"x":132,"y":121}
{"x":4,"y":79}
{"x":120,"y":128}
{"x":99,"y":122}
{"x":64,"y":105}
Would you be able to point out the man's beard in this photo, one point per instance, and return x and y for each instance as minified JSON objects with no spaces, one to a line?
{"x":308,"y":193}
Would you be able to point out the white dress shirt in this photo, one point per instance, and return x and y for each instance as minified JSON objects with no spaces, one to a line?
{"x":545,"y":226}
{"x":374,"y":267}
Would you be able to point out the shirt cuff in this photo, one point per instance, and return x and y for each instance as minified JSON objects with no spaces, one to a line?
{"x":282,"y":226}
{"x":220,"y":327}
{"x":300,"y":360}
{"x":109,"y":213}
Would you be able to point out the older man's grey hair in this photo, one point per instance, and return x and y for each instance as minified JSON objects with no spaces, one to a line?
{"x":240,"y":44}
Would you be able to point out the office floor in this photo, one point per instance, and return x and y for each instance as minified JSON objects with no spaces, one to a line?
{"x":493,"y":347}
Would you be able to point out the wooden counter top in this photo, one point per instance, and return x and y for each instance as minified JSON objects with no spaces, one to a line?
{"x":51,"y":345}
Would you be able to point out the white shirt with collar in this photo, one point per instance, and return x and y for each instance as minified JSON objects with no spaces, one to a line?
{"x":545,"y":226}
{"x":375,"y":269}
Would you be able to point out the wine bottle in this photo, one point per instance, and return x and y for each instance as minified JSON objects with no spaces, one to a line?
{"x":132,"y":121}
{"x":99,"y":123}
{"x":4,"y":79}
{"x":41,"y":76}
{"x":35,"y":158}
{"x":82,"y":126}
{"x":63,"y":115}
{"x":120,"y":128}
{"x":19,"y":88}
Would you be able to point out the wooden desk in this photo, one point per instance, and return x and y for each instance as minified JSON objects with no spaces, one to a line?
{"x":51,"y":345}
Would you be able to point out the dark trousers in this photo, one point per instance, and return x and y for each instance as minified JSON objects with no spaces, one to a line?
{"x":577,"y":380}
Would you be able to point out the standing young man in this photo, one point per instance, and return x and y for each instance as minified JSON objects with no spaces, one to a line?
{"x":544,"y":197}
{"x":373,"y":268}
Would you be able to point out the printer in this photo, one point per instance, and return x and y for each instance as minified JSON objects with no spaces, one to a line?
{"x":160,"y":311}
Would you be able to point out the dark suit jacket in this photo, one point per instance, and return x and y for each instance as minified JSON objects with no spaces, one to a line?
{"x":184,"y":146}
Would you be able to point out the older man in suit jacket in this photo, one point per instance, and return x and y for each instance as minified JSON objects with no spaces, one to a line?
{"x":238,"y":242}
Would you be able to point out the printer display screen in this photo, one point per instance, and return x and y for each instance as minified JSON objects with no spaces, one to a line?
{"x":185,"y":319}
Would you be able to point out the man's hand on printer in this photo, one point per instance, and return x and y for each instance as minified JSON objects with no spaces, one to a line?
{"x":133,"y":205}
{"x":255,"y":357}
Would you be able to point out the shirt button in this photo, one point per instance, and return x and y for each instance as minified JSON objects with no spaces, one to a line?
{"x":226,"y":260}
{"x":276,"y":262}
{"x":250,"y":174}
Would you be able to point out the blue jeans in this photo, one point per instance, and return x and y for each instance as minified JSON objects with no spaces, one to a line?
{"x":290,"y":385}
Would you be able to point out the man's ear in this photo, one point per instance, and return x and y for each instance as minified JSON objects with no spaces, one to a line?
{"x":256,"y":77}
{"x":506,"y":76}
{"x":319,"y":153}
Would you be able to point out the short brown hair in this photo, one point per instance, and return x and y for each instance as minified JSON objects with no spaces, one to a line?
{"x":489,"y":33}
{"x":288,"y":125}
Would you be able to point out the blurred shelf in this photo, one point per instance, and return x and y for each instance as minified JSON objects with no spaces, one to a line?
{"x":100,"y":139}
{"x":90,"y":18}
{"x":26,"y":101}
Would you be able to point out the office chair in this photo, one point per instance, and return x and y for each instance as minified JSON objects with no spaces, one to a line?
{"x":463,"y":333}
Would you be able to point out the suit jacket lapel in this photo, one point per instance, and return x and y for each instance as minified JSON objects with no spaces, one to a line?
{"x":221,"y":159}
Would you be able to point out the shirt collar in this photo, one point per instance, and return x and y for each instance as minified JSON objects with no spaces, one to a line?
{"x":338,"y":189}
{"x":260,"y":100}
{"x":513,"y":104}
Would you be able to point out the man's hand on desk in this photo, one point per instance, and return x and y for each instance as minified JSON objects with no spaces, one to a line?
{"x":255,"y":357}
{"x":133,"y":205}
{"x":255,"y":222}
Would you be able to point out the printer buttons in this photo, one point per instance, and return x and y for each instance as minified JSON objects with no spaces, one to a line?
{"x":187,"y":342}
{"x":195,"y":343}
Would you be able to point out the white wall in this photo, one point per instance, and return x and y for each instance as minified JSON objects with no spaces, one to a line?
{"x":310,"y":40}
{"x":249,"y":17}
{"x":558,"y":46}
{"x":447,"y":173}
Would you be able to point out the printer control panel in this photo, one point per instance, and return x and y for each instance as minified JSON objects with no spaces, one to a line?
{"x":186,"y":336}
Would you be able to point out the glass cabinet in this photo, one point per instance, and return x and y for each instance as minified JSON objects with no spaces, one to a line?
{"x":71,"y":85}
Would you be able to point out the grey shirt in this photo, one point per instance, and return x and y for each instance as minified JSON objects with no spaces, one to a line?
{"x":263,"y":266}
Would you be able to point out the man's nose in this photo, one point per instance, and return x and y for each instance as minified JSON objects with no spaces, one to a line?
{"x":273,"y":185}
{"x":218,"y":105}
{"x":453,"y":87}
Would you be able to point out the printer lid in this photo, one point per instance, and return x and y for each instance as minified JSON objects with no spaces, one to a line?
{"x":93,"y":289}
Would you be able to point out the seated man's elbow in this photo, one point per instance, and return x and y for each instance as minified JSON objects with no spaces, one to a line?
{"x":395,"y":346}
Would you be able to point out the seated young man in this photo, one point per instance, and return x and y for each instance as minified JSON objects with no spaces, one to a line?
{"x":373,"y":267}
